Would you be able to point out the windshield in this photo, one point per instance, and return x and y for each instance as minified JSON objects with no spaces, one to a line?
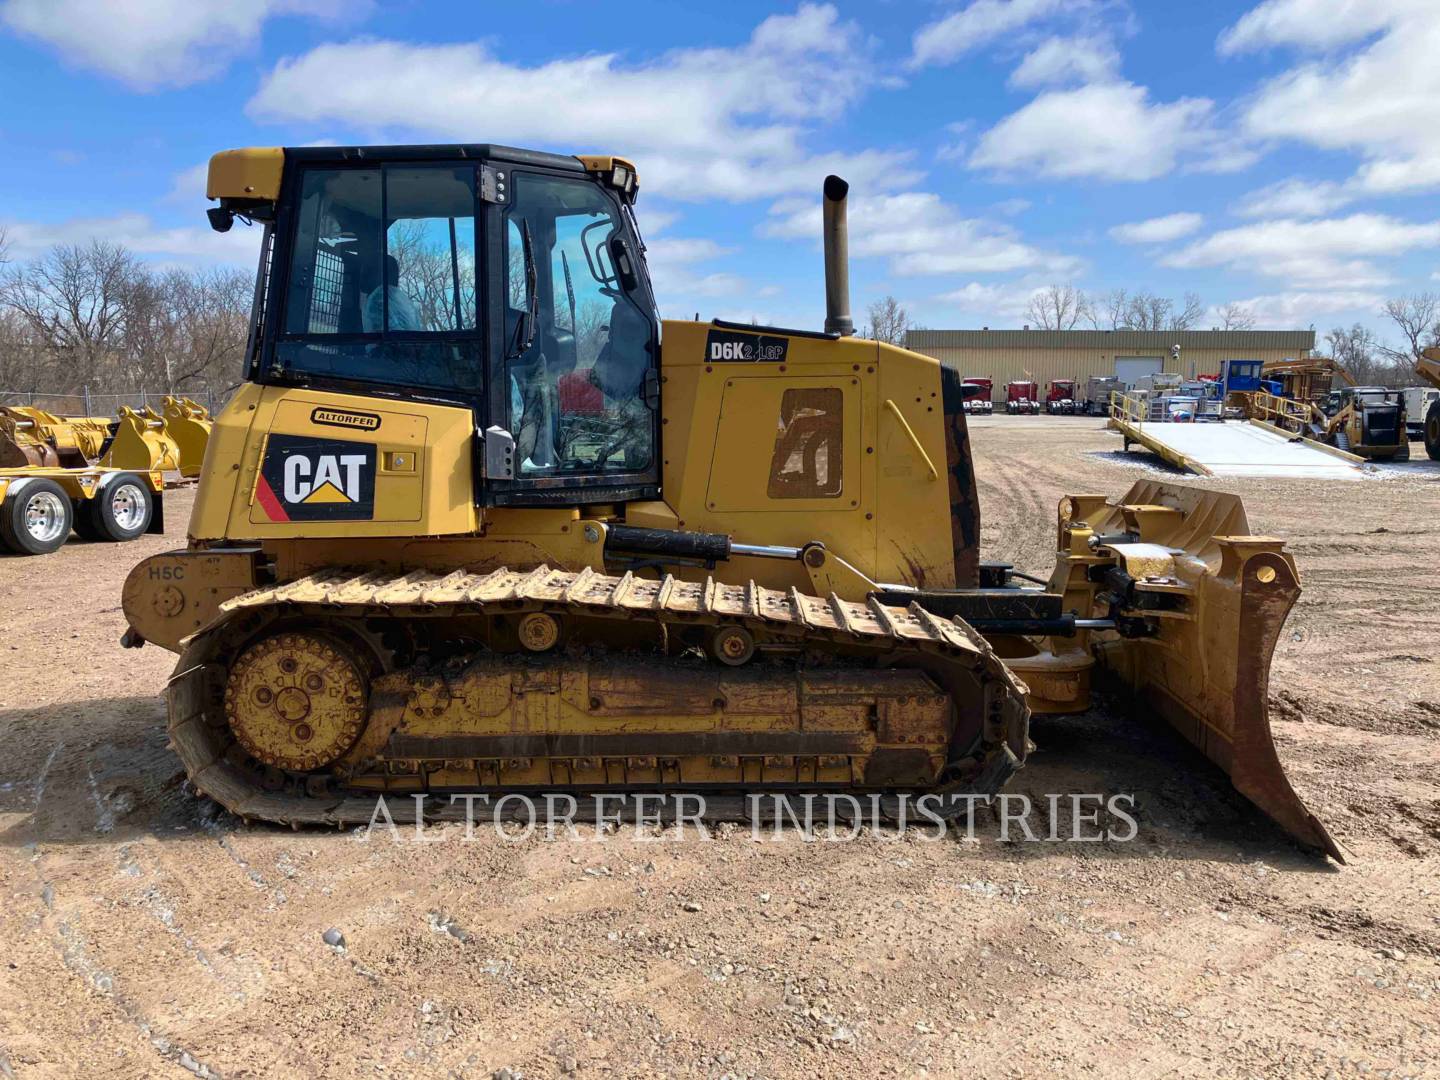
{"x":580,"y":345}
{"x":383,"y":263}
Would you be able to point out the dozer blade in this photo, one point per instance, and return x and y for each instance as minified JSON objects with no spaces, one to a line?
{"x":1200,"y":603}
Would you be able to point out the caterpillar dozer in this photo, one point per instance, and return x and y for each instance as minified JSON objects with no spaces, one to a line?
{"x":472,"y":524}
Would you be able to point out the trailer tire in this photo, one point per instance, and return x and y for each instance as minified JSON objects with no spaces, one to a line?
{"x":37,"y":519}
{"x":1432,"y":431}
{"x":84,"y":524}
{"x":121,"y":510}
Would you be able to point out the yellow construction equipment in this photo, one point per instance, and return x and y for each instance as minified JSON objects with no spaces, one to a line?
{"x":1309,"y":379}
{"x":1368,"y":421}
{"x":187,"y":424}
{"x":1428,"y":367}
{"x":140,"y":439}
{"x":468,"y":527}
{"x":34,"y":437}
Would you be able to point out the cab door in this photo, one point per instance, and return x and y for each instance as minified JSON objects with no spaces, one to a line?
{"x":573,"y":410}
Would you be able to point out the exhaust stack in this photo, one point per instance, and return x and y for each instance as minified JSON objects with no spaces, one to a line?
{"x":837,"y":259}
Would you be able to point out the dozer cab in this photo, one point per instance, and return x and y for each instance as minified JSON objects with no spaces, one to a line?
{"x":473,"y":524}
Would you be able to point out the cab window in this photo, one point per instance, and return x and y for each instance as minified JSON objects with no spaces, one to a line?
{"x":577,"y":369}
{"x":382,"y":277}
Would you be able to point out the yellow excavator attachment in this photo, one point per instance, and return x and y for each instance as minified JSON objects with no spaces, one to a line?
{"x":31,"y":437}
{"x":142,"y":442}
{"x":1199,"y":603}
{"x":188,"y":425}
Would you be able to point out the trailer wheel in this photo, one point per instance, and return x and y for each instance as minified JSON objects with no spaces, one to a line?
{"x":120,"y":510}
{"x":1432,"y":431}
{"x":37,"y":519}
{"x":84,"y":527}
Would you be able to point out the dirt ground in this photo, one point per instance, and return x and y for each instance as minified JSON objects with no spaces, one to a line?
{"x":143,"y":935}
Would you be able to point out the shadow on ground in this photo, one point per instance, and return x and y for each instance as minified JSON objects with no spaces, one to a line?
{"x":79,"y":772}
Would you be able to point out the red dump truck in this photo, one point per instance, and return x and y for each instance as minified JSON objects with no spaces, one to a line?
{"x":1022,"y":398}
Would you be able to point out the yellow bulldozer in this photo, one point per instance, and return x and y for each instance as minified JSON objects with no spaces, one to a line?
{"x":472,"y":524}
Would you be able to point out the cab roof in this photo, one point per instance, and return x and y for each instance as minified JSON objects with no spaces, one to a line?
{"x":252,"y":174}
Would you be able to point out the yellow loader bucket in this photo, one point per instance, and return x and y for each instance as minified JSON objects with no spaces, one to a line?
{"x":1199,"y":603}
{"x":188,"y":424}
{"x":141,"y":443}
{"x":34,"y":437}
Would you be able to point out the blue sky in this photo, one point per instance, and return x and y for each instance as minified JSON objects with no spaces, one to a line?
{"x":1284,"y":155}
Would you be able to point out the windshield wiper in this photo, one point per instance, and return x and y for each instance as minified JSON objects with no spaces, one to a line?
{"x":569,"y":293}
{"x":529,"y":322}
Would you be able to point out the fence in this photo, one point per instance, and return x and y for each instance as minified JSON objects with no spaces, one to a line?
{"x":85,"y":403}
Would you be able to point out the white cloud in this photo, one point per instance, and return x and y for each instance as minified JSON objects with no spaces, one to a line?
{"x":1158,"y":230}
{"x":701,"y":122}
{"x":1111,"y":131}
{"x":188,"y":187}
{"x":1057,"y":61}
{"x":1286,"y":310}
{"x":1333,"y":252}
{"x":919,"y":234}
{"x":675,"y":265}
{"x":1378,"y":100}
{"x":977,"y":24}
{"x":1312,"y":24}
{"x":1295,"y":197}
{"x":1007,"y":301}
{"x":151,"y":43}
{"x":140,"y":234}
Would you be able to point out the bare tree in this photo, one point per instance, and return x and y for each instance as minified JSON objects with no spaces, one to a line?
{"x":74,"y":299}
{"x":1149,"y":311}
{"x":1188,"y":315}
{"x":96,"y":317}
{"x":1145,"y":310}
{"x":1361,"y":354}
{"x":1418,"y":319}
{"x":889,"y":322}
{"x":1235,"y":316}
{"x":1059,"y":307}
{"x":1111,"y":313}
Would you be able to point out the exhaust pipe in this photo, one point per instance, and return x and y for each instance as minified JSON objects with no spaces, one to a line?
{"x":837,"y":259}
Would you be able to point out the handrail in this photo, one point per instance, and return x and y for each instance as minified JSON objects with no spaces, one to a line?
{"x":1131,"y":408}
{"x":919,"y":449}
{"x":1286,"y":412}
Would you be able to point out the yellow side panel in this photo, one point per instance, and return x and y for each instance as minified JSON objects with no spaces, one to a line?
{"x":730,"y":456}
{"x":224,"y":454}
{"x":912,"y":506}
{"x":746,"y":471}
{"x":253,"y":173}
{"x":396,"y":495}
{"x":317,"y":464}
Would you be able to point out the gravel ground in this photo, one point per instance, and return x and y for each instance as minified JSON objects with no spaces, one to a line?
{"x":143,"y":935}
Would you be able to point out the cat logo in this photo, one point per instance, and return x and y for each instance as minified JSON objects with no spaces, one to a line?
{"x":307,"y":479}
